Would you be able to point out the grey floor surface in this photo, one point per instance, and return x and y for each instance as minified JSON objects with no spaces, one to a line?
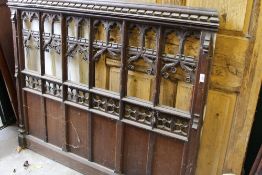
{"x":12,"y":162}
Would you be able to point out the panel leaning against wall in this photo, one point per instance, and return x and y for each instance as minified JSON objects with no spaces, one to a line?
{"x":120,"y":85}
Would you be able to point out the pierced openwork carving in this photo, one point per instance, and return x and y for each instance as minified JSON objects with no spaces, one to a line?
{"x":172,"y":124}
{"x":77,"y":41}
{"x":104,"y":40}
{"x":52,"y":44}
{"x":106,"y":104}
{"x":30,"y":25}
{"x":142,"y":46}
{"x":53,"y":88}
{"x":78,"y":96}
{"x":138,"y":113}
{"x":31,"y":39}
{"x":33,"y":82}
{"x":176,"y":61}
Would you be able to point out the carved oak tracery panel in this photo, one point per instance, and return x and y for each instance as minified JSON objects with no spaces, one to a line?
{"x":52,"y":44}
{"x":77,"y":49}
{"x":138,"y":65}
{"x":178,"y":61}
{"x":31,"y":40}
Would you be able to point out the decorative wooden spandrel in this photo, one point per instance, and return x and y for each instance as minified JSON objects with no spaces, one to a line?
{"x":114,"y":68}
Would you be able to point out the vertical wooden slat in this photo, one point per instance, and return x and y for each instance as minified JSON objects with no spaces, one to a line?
{"x":64,"y":78}
{"x":91,"y":83}
{"x":159,"y":48}
{"x":123,"y":72}
{"x":155,"y":100}
{"x":123,"y":91}
{"x":198,"y":103}
{"x":150,"y":153}
{"x":42,"y":64}
{"x":119,"y":147}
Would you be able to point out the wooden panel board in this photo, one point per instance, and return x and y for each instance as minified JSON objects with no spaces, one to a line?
{"x":215,"y":132}
{"x":54,"y":122}
{"x":184,"y":96}
{"x":139,"y":85}
{"x":35,"y":118}
{"x":104,"y":140}
{"x":167,"y":155}
{"x":229,"y":62}
{"x":135,"y":150}
{"x":101,"y":73}
{"x":232,"y":12}
{"x":77,"y":131}
{"x":114,"y":79}
{"x":169,"y":98}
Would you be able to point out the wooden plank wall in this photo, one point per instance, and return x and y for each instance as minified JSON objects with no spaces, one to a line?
{"x":231,"y":64}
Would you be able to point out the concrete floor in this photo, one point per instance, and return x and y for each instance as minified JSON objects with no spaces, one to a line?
{"x":12,"y":162}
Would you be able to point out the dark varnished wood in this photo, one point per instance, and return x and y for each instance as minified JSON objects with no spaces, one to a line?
{"x":124,"y":134}
{"x":77,"y":131}
{"x":36,"y":125}
{"x":55,"y":123}
{"x":135,"y":150}
{"x":104,"y":140}
{"x":169,"y":151}
{"x":70,"y":160}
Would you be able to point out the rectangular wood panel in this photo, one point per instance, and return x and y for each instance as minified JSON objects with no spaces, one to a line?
{"x":104,"y":140}
{"x":167,"y":155}
{"x":77,"y":131}
{"x":135,"y":150}
{"x":35,"y":118}
{"x":55,"y":122}
{"x":215,"y":133}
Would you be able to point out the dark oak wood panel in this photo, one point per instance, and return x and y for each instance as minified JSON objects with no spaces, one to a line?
{"x":167,"y":155}
{"x":35,"y":118}
{"x":90,"y":76}
{"x":55,"y":122}
{"x":135,"y":150}
{"x":104,"y":140}
{"x":77,"y":131}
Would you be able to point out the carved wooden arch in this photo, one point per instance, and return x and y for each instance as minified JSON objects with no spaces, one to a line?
{"x":156,"y":120}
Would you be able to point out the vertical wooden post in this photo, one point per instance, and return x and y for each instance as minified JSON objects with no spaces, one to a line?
{"x":17,"y":27}
{"x":64,"y":78}
{"x":155,"y":100}
{"x":91,"y":84}
{"x":42,"y":73}
{"x":198,"y":103}
{"x":123,"y":91}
